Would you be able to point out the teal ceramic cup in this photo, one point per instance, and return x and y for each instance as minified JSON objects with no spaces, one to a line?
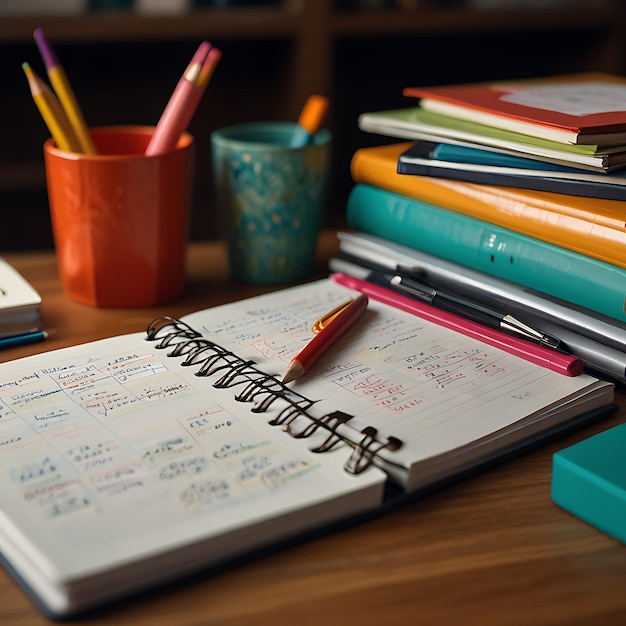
{"x":270,"y":198}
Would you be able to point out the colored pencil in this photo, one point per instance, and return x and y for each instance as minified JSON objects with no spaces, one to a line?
{"x":51,"y":112}
{"x":64,"y":92}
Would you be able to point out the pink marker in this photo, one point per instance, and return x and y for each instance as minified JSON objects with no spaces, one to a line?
{"x":556,"y":361}
{"x":208,"y":67}
{"x":181,"y":105}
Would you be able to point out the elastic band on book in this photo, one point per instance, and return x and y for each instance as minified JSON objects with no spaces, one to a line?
{"x":262,"y":390}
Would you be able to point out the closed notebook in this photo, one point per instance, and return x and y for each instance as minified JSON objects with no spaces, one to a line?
{"x":19,"y":303}
{"x":585,"y":108}
{"x":428,"y":159}
{"x":134,"y":460}
{"x":416,"y":123}
{"x":457,"y":153}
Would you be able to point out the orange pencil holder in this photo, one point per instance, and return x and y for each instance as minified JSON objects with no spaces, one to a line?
{"x":120,"y":218}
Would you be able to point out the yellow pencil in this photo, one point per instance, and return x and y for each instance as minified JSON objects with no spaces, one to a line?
{"x":64,"y":91}
{"x":51,"y":111}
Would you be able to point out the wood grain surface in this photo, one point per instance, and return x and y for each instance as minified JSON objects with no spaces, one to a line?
{"x":490,"y":550}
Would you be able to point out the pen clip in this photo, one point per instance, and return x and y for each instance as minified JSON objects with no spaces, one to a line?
{"x":329,"y":317}
{"x":412,"y":287}
{"x":515,"y":327}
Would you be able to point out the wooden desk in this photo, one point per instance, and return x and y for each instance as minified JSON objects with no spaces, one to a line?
{"x":491,"y":550}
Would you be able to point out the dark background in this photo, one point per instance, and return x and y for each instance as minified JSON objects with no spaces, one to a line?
{"x":123,"y":67}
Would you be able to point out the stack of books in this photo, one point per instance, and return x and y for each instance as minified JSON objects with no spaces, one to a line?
{"x":454,"y":210}
{"x":549,"y":134}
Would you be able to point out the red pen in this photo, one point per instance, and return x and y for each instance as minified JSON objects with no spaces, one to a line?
{"x":329,"y":333}
{"x":546,"y":357}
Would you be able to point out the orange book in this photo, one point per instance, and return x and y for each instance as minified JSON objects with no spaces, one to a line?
{"x":591,"y":226}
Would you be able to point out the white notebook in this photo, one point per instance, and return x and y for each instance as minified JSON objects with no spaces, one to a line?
{"x":138,"y":459}
{"x":19,"y":303}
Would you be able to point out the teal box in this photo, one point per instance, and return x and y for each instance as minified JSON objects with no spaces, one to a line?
{"x":589,"y":480}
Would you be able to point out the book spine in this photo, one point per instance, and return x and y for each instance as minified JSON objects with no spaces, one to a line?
{"x":584,"y":225}
{"x":497,"y":251}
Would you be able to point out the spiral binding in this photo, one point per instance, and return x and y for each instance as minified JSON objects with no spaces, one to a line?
{"x":263,"y":390}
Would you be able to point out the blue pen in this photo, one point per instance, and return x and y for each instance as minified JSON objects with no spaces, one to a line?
{"x":22,"y":340}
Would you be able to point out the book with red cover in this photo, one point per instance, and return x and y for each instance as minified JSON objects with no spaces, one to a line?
{"x":585,"y":108}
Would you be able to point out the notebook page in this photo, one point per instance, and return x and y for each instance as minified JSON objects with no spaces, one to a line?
{"x":119,"y":468}
{"x":432,"y":388}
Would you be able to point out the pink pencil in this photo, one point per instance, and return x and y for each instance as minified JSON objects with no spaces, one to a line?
{"x":556,"y":361}
{"x":181,"y":105}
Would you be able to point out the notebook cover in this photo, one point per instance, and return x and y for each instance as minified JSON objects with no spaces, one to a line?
{"x":487,"y":97}
{"x":489,"y":248}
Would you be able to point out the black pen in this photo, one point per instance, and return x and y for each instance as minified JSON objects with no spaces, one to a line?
{"x":465,"y":308}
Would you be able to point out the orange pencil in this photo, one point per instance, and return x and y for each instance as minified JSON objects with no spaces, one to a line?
{"x":329,"y":333}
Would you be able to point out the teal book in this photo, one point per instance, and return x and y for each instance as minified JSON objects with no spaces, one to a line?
{"x":454,"y":153}
{"x":558,"y":272}
{"x":589,"y":481}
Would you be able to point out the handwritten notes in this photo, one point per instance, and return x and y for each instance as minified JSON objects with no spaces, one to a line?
{"x":95,"y":433}
{"x":431,"y":387}
{"x":123,"y":464}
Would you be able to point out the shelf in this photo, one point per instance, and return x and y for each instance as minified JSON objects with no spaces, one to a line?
{"x":289,"y":20}
{"x":97,"y":27}
{"x":274,"y":57}
{"x":420,"y":21}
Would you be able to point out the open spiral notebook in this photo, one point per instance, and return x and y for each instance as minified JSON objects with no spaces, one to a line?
{"x":134,"y":460}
